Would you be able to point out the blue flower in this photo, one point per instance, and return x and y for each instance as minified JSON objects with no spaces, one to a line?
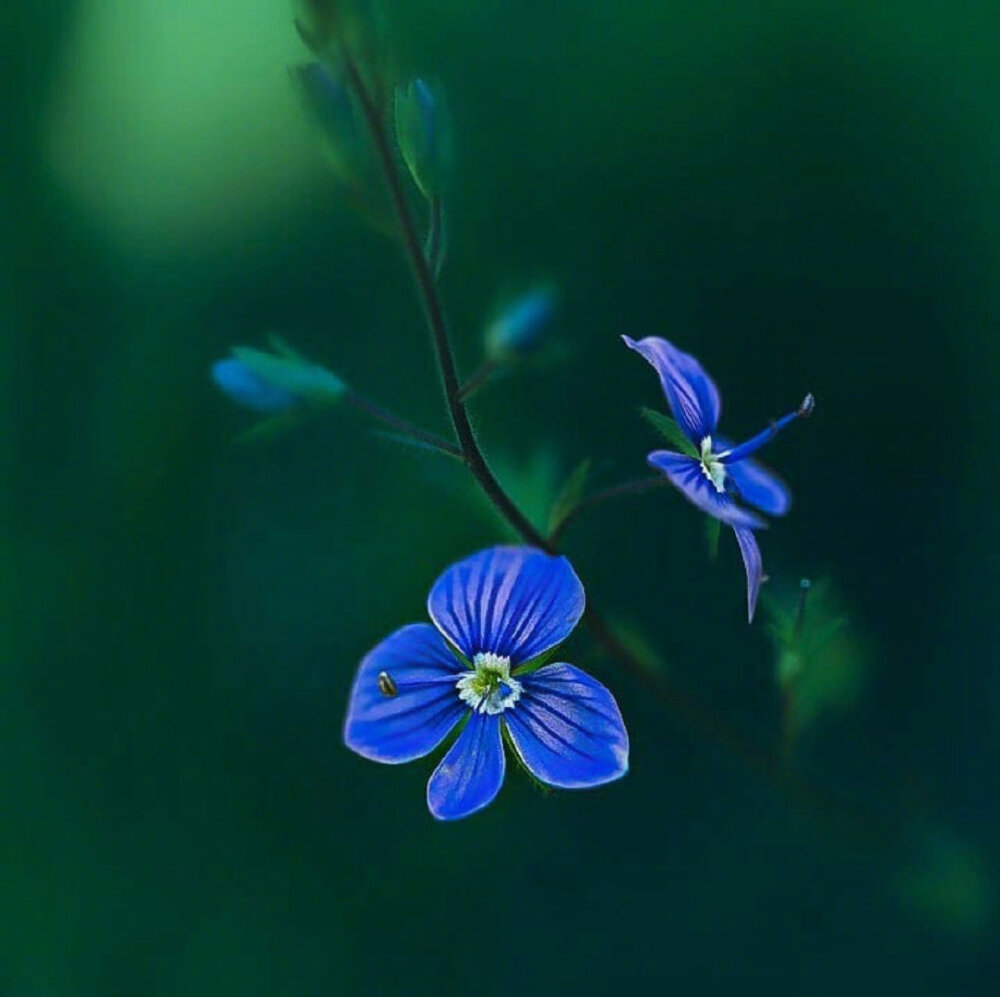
{"x":495,"y":614}
{"x":716,"y":475}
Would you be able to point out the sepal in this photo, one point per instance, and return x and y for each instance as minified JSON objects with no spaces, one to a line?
{"x":570,"y":496}
{"x":671,"y":430}
{"x":423,"y":134}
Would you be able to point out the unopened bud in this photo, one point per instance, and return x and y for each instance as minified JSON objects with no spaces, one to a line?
{"x":423,"y":134}
{"x":271,"y":382}
{"x":521,"y":327}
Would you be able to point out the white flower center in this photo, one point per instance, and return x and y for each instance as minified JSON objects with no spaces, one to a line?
{"x":712,"y":467}
{"x":489,"y":689}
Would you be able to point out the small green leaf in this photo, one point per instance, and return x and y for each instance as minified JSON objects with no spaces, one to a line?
{"x":516,"y":755}
{"x":712,"y":530}
{"x":570,"y":496}
{"x":669,"y":428}
{"x":306,"y":380}
{"x":265,"y":430}
{"x":284,"y":349}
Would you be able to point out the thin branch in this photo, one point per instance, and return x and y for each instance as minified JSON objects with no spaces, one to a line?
{"x":477,"y":379}
{"x":401,"y":425}
{"x":606,"y":495}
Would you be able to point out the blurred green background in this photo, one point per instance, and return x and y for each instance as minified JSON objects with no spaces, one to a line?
{"x":806,"y":195}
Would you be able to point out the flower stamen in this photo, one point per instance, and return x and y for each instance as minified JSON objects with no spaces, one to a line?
{"x":489,"y":689}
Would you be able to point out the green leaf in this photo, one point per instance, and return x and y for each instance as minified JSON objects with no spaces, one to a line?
{"x":265,"y":430}
{"x":670,"y":429}
{"x":570,"y":495}
{"x":712,"y":530}
{"x":284,"y":349}
{"x":516,"y":755}
{"x":301,"y":378}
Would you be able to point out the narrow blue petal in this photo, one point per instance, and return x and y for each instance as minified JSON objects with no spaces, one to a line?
{"x":688,"y":476}
{"x":245,"y":388}
{"x":764,"y":437}
{"x":756,"y":484}
{"x":471,"y":774}
{"x":753,"y":564}
{"x":425,"y":708}
{"x":691,"y":393}
{"x":514,"y":601}
{"x":567,"y":729}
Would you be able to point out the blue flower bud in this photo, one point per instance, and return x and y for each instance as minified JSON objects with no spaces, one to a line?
{"x":328,"y":103}
{"x":423,"y":135}
{"x":272,"y":382}
{"x":245,"y":388}
{"x":521,"y":327}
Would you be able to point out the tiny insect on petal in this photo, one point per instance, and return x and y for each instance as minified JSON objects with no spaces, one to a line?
{"x":387,"y":684}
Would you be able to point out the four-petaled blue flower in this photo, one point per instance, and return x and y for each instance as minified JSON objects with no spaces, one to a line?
{"x":717,"y":476}
{"x":495,"y":615}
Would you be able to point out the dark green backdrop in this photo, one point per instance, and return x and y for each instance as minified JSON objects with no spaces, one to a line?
{"x":804,"y":194}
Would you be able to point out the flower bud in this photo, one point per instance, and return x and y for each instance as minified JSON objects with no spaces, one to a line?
{"x":275,"y":382}
{"x":329,"y":105}
{"x":423,"y":135}
{"x":520,"y":329}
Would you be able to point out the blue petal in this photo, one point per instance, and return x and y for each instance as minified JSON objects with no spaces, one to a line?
{"x":425,"y":708}
{"x":691,"y":393}
{"x":752,"y":563}
{"x":514,"y":601}
{"x":246,"y":388}
{"x":568,"y":729}
{"x":471,"y":774}
{"x":757,"y":485}
{"x":687,"y":475}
